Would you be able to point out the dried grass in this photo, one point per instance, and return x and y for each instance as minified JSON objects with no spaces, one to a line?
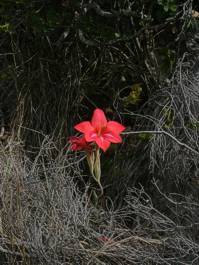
{"x":46,"y":219}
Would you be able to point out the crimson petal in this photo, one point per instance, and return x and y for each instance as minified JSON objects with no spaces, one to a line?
{"x":103,"y":143}
{"x":98,"y":119}
{"x":91,"y":136}
{"x":115,"y":127}
{"x":84,"y":127}
{"x":112,"y":137}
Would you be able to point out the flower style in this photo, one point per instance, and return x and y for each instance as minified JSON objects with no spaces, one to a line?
{"x":100,"y":130}
{"x":79,"y":143}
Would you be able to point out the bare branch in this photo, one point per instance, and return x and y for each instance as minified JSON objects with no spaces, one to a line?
{"x":94,"y":6}
{"x":167,"y":134}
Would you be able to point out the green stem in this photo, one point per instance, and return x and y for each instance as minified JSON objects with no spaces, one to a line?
{"x":101,"y":188}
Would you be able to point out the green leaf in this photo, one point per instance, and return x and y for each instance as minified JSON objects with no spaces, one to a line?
{"x":5,"y":27}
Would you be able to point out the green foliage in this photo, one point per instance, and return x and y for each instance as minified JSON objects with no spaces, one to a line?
{"x":193,"y":125}
{"x":164,"y":9}
{"x":169,"y":118}
{"x":5,"y":27}
{"x":168,"y":5}
{"x":135,"y":95}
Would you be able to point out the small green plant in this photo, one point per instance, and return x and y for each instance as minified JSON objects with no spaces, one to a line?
{"x":5,"y":27}
{"x":168,"y":5}
{"x":135,"y":95}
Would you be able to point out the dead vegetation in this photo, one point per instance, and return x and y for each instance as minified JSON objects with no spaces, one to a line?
{"x":47,"y":219}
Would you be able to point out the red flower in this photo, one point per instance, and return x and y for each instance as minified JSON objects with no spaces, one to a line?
{"x":100,"y":130}
{"x":79,"y":143}
{"x":105,"y":239}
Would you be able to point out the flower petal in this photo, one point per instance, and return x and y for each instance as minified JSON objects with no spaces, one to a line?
{"x":102,"y":143}
{"x":115,"y":127}
{"x":91,"y":136}
{"x":75,"y":143}
{"x":79,"y":143}
{"x":84,"y":127}
{"x":73,"y":138}
{"x":99,"y":119}
{"x":112,"y":137}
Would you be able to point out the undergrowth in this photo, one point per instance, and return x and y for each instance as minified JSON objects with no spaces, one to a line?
{"x":47,"y":219}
